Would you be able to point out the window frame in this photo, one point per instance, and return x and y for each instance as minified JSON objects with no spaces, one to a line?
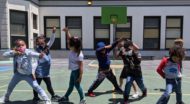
{"x":181,"y":28}
{"x":94,"y":28}
{"x":126,"y":28}
{"x":159,"y":31}
{"x":45,"y":34}
{"x":66,"y":25}
{"x":15,"y":37}
{"x":35,"y":26}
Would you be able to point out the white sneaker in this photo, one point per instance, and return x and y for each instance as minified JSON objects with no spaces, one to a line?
{"x":83,"y":101}
{"x":135,"y":95}
{"x":47,"y":102}
{"x":3,"y":99}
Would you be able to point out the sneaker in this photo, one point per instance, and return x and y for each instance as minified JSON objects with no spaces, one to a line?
{"x":91,"y":94}
{"x":83,"y":101}
{"x":47,"y":102}
{"x":144,"y":93}
{"x":135,"y":95}
{"x":36,"y":99}
{"x":180,"y":102}
{"x":55,"y":98}
{"x":63,"y":99}
{"x":3,"y":99}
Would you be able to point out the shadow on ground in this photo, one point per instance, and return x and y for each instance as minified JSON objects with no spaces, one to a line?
{"x":121,"y":101}
{"x":101,"y":93}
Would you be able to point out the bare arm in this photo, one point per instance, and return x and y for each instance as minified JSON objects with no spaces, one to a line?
{"x":135,"y":47}
{"x":68,"y":35}
{"x":52,"y":38}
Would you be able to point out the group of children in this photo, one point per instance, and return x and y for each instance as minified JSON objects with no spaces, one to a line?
{"x":170,"y":69}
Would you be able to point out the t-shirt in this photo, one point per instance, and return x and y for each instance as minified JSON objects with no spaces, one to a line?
{"x":172,"y":70}
{"x":73,"y":60}
{"x":169,"y":69}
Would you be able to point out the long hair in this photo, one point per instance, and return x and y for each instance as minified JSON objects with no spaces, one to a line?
{"x":176,"y":51}
{"x":76,"y":43}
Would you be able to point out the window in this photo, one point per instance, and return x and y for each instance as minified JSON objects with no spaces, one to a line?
{"x":18,"y":26}
{"x":151,"y":33}
{"x":49,"y":23}
{"x":75,"y":26}
{"x":35,"y":23}
{"x":174,"y":26}
{"x":124,"y":30}
{"x":101,"y":32}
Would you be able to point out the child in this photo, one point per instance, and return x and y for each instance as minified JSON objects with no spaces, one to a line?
{"x":22,"y":59}
{"x":76,"y":66}
{"x":179,"y":44}
{"x":134,"y":72}
{"x":120,"y":53}
{"x":43,"y":67}
{"x":104,"y":71}
{"x":169,"y":69}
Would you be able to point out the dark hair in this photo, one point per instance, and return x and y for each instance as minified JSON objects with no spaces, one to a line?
{"x":38,"y":38}
{"x":18,"y":40}
{"x":127,"y":43}
{"x":76,"y":43}
{"x":175,"y":51}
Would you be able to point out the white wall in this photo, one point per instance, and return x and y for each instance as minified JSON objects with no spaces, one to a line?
{"x":137,"y":14}
{"x":28,"y":7}
{"x":87,"y":14}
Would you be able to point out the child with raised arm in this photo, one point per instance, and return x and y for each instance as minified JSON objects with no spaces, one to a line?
{"x":170,"y":70}
{"x":121,"y":53}
{"x":104,"y":70}
{"x":22,"y":59}
{"x":134,"y":72}
{"x":76,"y":58}
{"x":42,"y":71}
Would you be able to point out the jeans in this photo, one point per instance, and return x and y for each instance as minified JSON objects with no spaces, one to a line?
{"x":171,"y":85}
{"x":74,"y":76}
{"x":17,"y":78}
{"x":130,"y":79}
{"x":47,"y":81}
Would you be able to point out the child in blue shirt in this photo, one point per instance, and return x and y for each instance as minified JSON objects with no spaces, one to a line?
{"x":22,"y":59}
{"x":42,"y":71}
{"x":104,"y":71}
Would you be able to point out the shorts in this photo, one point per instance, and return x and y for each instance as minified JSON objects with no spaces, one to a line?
{"x":124,"y":73}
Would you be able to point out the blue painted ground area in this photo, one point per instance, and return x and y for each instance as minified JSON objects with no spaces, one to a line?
{"x":5,"y":68}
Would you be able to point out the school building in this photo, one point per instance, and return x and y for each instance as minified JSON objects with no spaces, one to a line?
{"x":152,"y":24}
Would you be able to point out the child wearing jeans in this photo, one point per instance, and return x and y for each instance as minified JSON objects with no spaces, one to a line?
{"x":121,"y":53}
{"x":134,"y":72}
{"x":42,"y":71}
{"x":170,"y":70}
{"x":22,"y":59}
{"x":76,"y":58}
{"x":104,"y":71}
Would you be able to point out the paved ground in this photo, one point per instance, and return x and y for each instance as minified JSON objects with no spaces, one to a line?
{"x":60,"y":79}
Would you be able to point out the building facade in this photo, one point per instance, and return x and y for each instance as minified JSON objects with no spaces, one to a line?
{"x":152,"y":24}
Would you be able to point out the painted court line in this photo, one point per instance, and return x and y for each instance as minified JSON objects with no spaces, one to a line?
{"x":74,"y":91}
{"x":4,"y":79}
{"x":113,"y":94}
{"x":3,"y":86}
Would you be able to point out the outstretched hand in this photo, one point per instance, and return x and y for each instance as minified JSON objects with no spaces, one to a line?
{"x":54,"y":29}
{"x":65,"y":29}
